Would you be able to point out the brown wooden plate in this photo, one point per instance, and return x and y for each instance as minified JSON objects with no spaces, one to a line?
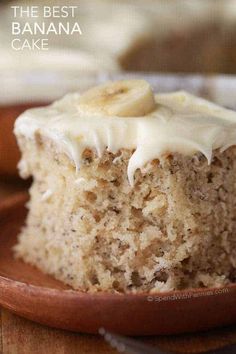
{"x":29,"y":293}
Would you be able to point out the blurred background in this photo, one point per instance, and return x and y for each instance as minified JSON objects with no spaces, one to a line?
{"x":118,"y":36}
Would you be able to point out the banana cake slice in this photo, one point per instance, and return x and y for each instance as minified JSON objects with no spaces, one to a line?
{"x":131,"y":191}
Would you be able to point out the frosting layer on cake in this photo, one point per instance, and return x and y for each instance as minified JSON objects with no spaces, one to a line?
{"x":179,"y":122}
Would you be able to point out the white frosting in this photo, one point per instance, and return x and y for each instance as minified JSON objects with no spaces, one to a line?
{"x":180,"y":123}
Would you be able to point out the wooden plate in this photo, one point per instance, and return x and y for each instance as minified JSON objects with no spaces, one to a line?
{"x":29,"y":293}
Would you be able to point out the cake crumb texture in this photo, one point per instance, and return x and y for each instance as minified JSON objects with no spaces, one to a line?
{"x":175,"y":229}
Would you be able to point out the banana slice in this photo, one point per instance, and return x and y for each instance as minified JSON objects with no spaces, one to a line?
{"x":126,"y":98}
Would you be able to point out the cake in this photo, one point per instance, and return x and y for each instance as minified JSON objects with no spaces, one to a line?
{"x":150,"y":35}
{"x":132,"y":191}
{"x":185,"y":36}
{"x":228,"y":33}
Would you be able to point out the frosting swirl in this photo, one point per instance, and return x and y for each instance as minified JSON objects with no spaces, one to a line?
{"x":180,"y":123}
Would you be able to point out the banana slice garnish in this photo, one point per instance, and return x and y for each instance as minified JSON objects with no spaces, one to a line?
{"x":125,"y":98}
